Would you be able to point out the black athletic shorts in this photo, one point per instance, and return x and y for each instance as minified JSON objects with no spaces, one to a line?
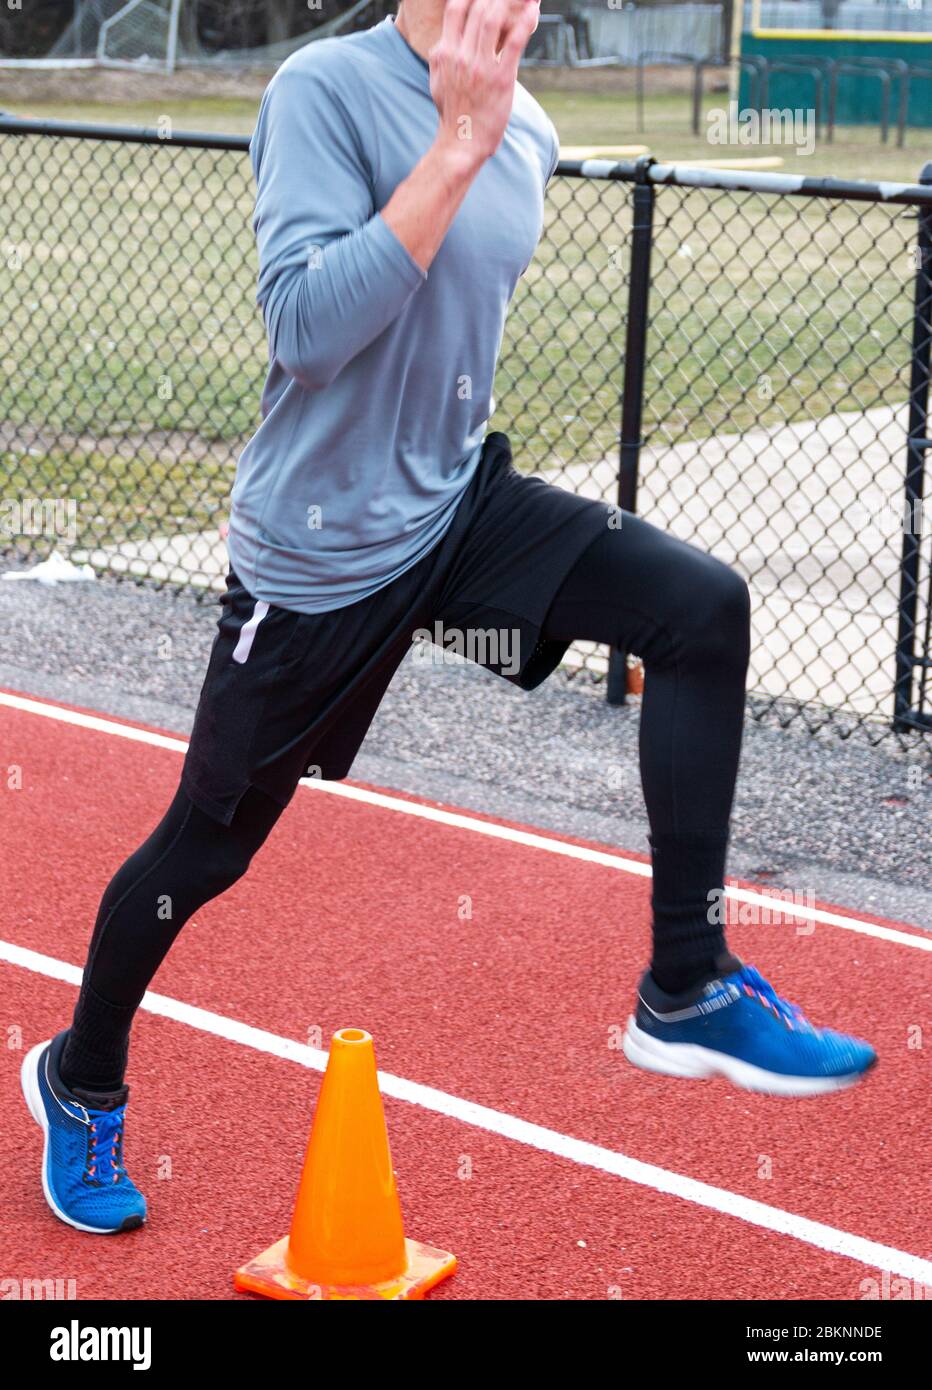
{"x":289,"y":695}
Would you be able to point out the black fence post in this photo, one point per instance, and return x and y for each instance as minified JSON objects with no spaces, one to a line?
{"x":698,"y":71}
{"x":917,"y":446}
{"x":632,"y":389}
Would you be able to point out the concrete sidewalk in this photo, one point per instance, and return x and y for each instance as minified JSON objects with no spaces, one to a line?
{"x":811,"y":514}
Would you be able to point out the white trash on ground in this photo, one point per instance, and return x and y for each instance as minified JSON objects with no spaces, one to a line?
{"x":55,"y":570}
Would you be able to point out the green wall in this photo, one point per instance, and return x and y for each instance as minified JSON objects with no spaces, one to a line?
{"x":859,"y":95}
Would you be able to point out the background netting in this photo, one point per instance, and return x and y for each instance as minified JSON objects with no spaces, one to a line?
{"x":176,"y":33}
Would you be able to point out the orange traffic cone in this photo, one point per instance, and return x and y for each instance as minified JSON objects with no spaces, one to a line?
{"x":346,"y":1238}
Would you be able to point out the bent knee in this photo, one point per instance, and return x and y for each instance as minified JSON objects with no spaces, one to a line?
{"x":731,"y":599}
{"x":717,"y":616}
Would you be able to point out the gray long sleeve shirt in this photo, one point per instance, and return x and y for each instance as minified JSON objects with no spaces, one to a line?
{"x":380,"y":375}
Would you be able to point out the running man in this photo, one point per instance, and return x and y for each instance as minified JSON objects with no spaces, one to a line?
{"x":400,"y":191}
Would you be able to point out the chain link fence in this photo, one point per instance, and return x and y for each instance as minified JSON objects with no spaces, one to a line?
{"x":740,"y":356}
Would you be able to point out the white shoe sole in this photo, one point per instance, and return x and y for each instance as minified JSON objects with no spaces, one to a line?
{"x":29,"y":1080}
{"x":702,"y":1063}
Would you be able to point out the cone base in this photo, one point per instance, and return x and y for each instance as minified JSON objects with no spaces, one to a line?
{"x":269,"y":1275}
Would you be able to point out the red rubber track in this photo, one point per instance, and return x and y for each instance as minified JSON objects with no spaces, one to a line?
{"x":350,"y":917}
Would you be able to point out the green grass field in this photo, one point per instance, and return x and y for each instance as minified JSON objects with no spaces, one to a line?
{"x":582,"y":116}
{"x":134,"y":354}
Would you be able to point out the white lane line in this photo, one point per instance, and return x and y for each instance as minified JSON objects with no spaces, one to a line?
{"x":786,"y":1223}
{"x":462,"y":821}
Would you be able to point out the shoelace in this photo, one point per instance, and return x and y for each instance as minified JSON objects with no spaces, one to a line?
{"x":105,"y":1145}
{"x":755,"y":985}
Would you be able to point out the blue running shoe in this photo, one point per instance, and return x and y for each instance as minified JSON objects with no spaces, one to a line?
{"x":83,"y":1177}
{"x":738,"y":1027}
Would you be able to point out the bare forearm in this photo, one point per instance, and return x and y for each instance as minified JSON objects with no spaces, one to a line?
{"x":423,"y":206}
{"x":473,"y":72}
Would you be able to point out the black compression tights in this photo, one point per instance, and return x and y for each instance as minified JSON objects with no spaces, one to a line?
{"x":688,"y":617}
{"x":684,"y":613}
